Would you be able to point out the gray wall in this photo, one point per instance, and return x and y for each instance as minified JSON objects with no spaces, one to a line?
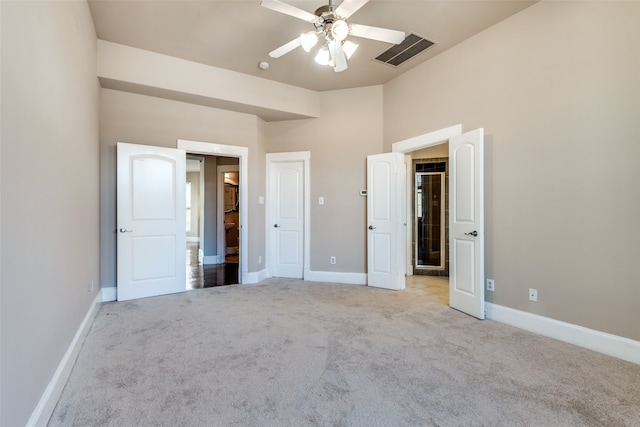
{"x":210,"y":246}
{"x":556,"y":88}
{"x":350,"y":124}
{"x":49,"y":193}
{"x":138,"y":119}
{"x":349,"y":128}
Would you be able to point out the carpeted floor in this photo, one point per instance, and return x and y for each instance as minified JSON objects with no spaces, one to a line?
{"x":293,"y":353}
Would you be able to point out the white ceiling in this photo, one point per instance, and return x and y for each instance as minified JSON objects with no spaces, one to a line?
{"x":238,"y":34}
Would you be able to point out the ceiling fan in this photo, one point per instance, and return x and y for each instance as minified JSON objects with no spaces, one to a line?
{"x":332,"y":28}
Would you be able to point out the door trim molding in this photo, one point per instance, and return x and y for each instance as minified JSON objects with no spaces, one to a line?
{"x":427,"y":140}
{"x":406,"y":146}
{"x":293,"y":156}
{"x":108,"y":294}
{"x":211,"y":149}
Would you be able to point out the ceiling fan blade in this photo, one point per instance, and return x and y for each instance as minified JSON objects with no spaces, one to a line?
{"x":377,"y":33}
{"x":278,"y":6}
{"x":349,"y":7}
{"x":338,"y":56}
{"x":285,"y":48}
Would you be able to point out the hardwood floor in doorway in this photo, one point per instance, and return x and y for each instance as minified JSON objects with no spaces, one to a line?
{"x":206,"y":276}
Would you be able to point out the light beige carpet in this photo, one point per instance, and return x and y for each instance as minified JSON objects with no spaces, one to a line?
{"x":293,"y":353}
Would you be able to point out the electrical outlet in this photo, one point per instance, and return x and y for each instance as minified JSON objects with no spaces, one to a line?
{"x":259,"y":259}
{"x":333,"y":260}
{"x":90,"y":287}
{"x":490,"y":285}
{"x":321,"y":200}
{"x":533,"y":295}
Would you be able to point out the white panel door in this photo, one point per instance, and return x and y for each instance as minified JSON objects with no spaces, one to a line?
{"x":466,"y":223}
{"x":287,"y":216}
{"x":386,"y":177}
{"x":151,"y":221}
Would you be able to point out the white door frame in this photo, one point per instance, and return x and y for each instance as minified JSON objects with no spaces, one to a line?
{"x":428,"y":140}
{"x":295,"y":156}
{"x":242,"y":153}
{"x":419,"y":142}
{"x":409,"y":226}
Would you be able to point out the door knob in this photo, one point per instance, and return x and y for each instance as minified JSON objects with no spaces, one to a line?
{"x":371,"y":227}
{"x":474,"y":233}
{"x":124,"y":230}
{"x":276,"y":226}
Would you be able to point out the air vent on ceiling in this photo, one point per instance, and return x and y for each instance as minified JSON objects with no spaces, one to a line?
{"x":400,"y":53}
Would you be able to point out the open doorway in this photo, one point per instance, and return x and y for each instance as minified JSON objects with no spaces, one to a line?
{"x":466,"y":212}
{"x":241,"y":157}
{"x":228,"y":243}
{"x":427,"y":271}
{"x":429,"y":214}
{"x":194,"y":196}
{"x":213,"y":219}
{"x":428,"y":229}
{"x":228,"y":208}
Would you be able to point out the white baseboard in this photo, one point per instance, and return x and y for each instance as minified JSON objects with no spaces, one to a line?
{"x":42,"y":412}
{"x":602,"y":342}
{"x":254,"y":277}
{"x":336,"y":277}
{"x":109,"y":294}
{"x":212,"y":259}
{"x":312,"y":276}
{"x":193,"y":239}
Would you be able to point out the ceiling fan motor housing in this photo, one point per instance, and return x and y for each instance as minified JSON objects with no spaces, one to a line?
{"x":326,"y":21}
{"x":324,"y":11}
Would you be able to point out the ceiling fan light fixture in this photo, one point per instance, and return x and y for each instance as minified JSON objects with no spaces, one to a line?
{"x":349,"y":48}
{"x":308,"y":40}
{"x":331,"y":24}
{"x":340,"y":29}
{"x":323,"y":57}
